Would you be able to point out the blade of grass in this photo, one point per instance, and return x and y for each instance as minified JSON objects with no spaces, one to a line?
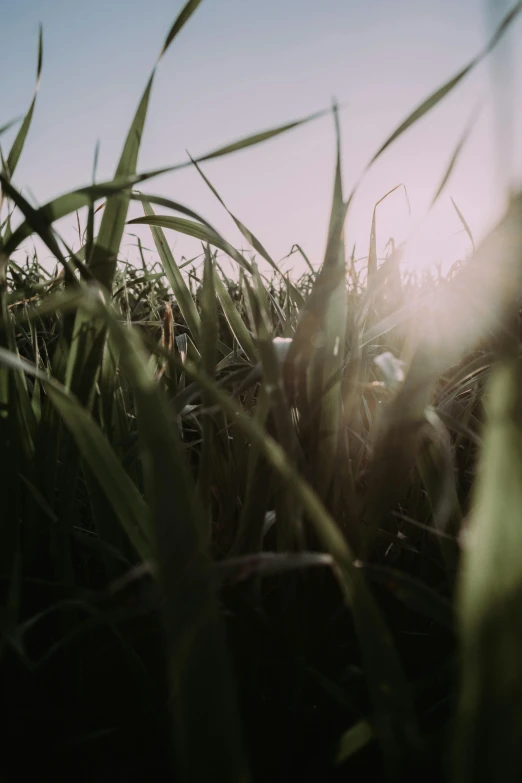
{"x":288,"y":513}
{"x":41,"y":219}
{"x":435,"y":98}
{"x":175,"y":278}
{"x":464,"y":224}
{"x":257,"y":138}
{"x":197,"y":230}
{"x":322,"y":323}
{"x":18,"y":144}
{"x":209,"y":358}
{"x":250,"y":238}
{"x":457,"y":151}
{"x":235,"y":321}
{"x":490,"y":601}
{"x":107,"y":245}
{"x":372,"y":253}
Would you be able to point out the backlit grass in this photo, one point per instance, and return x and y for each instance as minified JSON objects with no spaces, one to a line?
{"x":261,"y":528}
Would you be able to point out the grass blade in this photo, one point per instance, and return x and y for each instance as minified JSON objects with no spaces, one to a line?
{"x":235,"y":321}
{"x":75,"y":200}
{"x":456,"y":153}
{"x":18,"y":144}
{"x":435,"y":98}
{"x":490,"y":605}
{"x":250,"y":238}
{"x":310,"y":371}
{"x":197,"y":230}
{"x":257,"y":138}
{"x":372,"y":253}
{"x":208,"y":347}
{"x":175,"y":278}
{"x":464,"y":224}
{"x":184,"y":15}
{"x":107,"y":245}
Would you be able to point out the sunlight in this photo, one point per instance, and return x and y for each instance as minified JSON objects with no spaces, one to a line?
{"x":435,"y":244}
{"x":434,"y":241}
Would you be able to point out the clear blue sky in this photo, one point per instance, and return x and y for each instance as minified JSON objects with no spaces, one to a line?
{"x":240,"y":66}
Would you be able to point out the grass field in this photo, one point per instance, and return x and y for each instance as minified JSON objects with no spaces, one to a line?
{"x":260,"y":528}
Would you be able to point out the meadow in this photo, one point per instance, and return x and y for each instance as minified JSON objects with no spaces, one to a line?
{"x":256,"y":527}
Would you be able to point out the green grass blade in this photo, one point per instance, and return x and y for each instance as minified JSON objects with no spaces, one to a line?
{"x":75,"y":200}
{"x":288,"y":513}
{"x":235,"y":321}
{"x":208,"y":346}
{"x":490,"y":604}
{"x":197,"y":230}
{"x":183,"y":17}
{"x":322,"y":323}
{"x":250,"y":238}
{"x":41,"y":227}
{"x":107,"y":245}
{"x":18,"y":144}
{"x":435,"y":98}
{"x":312,"y":317}
{"x":456,"y":153}
{"x":426,"y":106}
{"x":258,"y":138}
{"x":332,"y":354}
{"x":175,"y":278}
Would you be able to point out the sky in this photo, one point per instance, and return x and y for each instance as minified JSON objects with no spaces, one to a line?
{"x":241,"y":66}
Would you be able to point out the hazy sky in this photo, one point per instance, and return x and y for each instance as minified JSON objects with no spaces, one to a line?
{"x":240,"y":66}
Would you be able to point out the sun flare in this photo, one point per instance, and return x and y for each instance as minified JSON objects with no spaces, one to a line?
{"x":429,"y":242}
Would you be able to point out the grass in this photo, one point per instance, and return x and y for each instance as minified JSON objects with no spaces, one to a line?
{"x":227,"y":556}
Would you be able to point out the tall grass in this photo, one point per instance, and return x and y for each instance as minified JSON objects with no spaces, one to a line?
{"x":244,"y":537}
